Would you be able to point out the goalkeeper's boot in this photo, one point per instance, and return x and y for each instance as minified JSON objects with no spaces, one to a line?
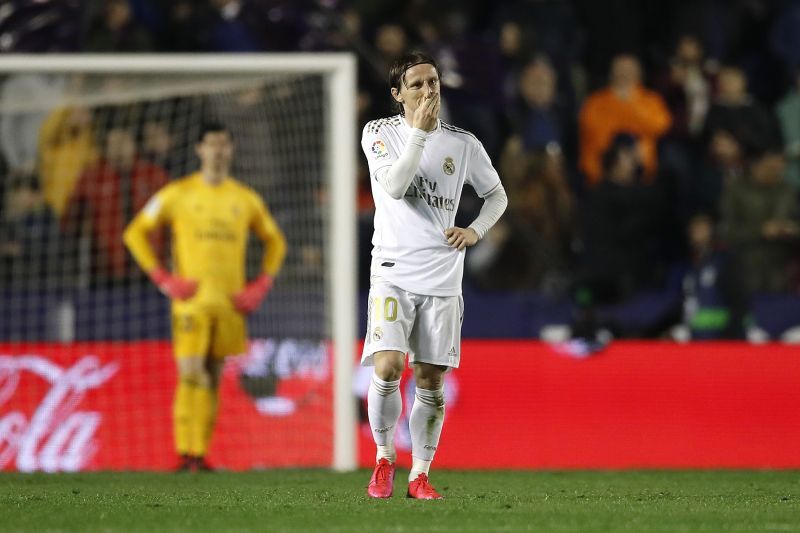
{"x":201,"y":465}
{"x":421,"y":489}
{"x":185,"y":463}
{"x":381,"y":484}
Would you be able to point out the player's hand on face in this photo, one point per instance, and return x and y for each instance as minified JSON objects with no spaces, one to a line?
{"x":460,"y":238}
{"x":427,"y":113}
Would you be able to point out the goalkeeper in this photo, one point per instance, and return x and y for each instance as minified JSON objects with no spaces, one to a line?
{"x":210,"y":215}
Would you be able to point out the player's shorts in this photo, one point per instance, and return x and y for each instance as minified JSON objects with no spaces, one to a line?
{"x":199,"y":332}
{"x":428,"y":328}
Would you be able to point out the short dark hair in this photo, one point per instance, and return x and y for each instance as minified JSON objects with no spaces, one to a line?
{"x":211,"y":127}
{"x":397,"y":71}
{"x":621,"y":141}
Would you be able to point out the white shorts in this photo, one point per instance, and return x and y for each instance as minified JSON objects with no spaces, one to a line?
{"x":428,"y":328}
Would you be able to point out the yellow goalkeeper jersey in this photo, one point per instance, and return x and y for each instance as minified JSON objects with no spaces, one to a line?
{"x":210,"y":226}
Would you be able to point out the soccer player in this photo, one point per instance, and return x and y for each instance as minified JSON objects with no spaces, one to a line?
{"x":210,"y":215}
{"x":418,"y":167}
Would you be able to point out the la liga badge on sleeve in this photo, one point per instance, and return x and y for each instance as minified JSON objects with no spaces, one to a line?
{"x":379,"y":149}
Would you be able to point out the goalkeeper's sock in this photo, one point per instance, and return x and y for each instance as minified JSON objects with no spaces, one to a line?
{"x":212,"y":417}
{"x":203,"y":420}
{"x":384,"y":405}
{"x":425,"y":425}
{"x":181,"y":416}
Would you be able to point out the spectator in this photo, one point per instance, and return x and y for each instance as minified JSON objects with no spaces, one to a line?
{"x":19,"y":131}
{"x":788,"y":111}
{"x":107,"y":196}
{"x":530,"y":28}
{"x":234,"y":27}
{"x":537,"y":116}
{"x":686,"y":88}
{"x":66,"y":147}
{"x":115,"y":30}
{"x":722,"y":165}
{"x":620,"y":221}
{"x":158,"y":145}
{"x":715,"y":300}
{"x":470,"y":67}
{"x":759,"y":222}
{"x":625,"y":106}
{"x":29,"y":236}
{"x":514,"y":55}
{"x":389,"y":42}
{"x":735,"y":111}
{"x":532,"y":248}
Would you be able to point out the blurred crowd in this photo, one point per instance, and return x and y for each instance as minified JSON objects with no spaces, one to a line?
{"x":640,"y":141}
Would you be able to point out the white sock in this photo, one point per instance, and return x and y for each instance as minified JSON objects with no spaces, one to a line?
{"x":425,"y":423}
{"x":384,"y":405}
{"x":418,"y":466}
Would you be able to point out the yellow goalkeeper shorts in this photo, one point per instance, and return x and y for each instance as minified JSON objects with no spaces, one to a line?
{"x":205,"y":333}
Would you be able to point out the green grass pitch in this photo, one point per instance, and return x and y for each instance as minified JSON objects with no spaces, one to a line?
{"x":316,"y":500}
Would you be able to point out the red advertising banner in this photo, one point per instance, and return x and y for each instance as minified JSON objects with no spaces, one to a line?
{"x":108,"y":406}
{"x":518,"y":404}
{"x":512,"y":404}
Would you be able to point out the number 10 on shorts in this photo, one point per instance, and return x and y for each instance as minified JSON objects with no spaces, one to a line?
{"x":384,"y":309}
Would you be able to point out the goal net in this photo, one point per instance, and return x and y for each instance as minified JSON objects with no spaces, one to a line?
{"x":86,"y":370}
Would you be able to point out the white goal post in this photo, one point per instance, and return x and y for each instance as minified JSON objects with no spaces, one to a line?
{"x":339,"y":73}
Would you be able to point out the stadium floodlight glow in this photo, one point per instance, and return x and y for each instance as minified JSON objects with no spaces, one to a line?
{"x":180,"y":87}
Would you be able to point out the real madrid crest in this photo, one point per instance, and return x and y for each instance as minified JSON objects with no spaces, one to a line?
{"x":449,"y":166}
{"x":377,"y":334}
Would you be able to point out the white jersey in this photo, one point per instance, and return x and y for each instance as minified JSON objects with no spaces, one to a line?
{"x":409,"y":246}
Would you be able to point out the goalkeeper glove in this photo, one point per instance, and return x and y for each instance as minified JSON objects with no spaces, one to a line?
{"x":173,"y":286}
{"x":248,"y":299}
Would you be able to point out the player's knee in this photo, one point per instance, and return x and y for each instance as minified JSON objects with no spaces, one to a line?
{"x":197,"y":376}
{"x":389,"y":365}
{"x":429,"y":377}
{"x":198,"y":379}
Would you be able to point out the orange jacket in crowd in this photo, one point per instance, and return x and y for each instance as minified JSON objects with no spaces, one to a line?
{"x":604,"y":115}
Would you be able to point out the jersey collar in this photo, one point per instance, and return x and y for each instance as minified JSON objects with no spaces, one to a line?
{"x":407,"y":128}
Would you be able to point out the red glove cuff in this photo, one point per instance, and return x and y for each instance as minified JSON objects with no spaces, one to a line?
{"x":263,"y":283}
{"x":249,"y":298}
{"x":159,"y":275}
{"x":172,"y":286}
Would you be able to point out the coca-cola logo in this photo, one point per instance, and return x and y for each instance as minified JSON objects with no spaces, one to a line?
{"x":57,"y":437}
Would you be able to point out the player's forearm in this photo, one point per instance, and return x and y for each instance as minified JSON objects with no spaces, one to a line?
{"x":136,"y":239}
{"x":494,"y":204}
{"x":275,"y":254}
{"x":396,"y":179}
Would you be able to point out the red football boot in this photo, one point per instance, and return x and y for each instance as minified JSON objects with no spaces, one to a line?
{"x":381,"y":484}
{"x":421,"y":489}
